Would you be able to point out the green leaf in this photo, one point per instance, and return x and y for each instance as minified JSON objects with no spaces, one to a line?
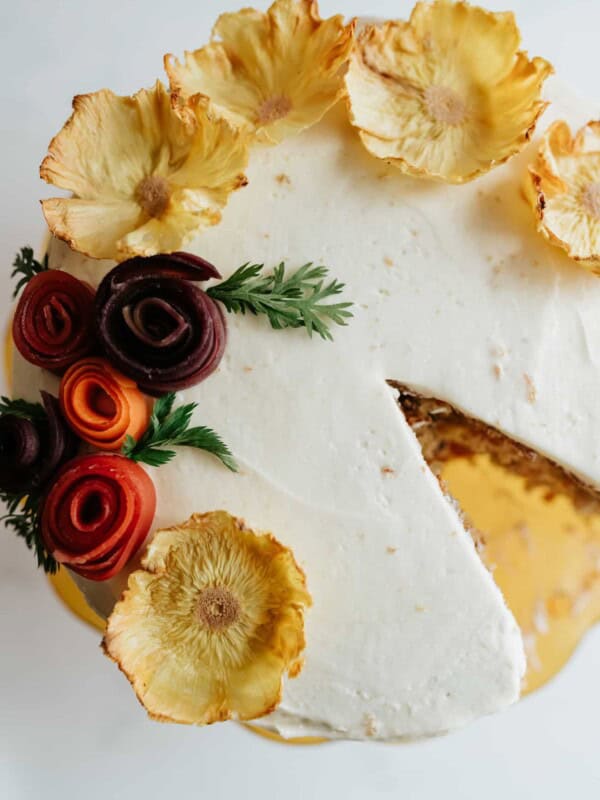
{"x":21,"y":408}
{"x":153,"y":456}
{"x":206,"y":439}
{"x":26,"y":266}
{"x":169,"y":428}
{"x":23,"y":517}
{"x":176,"y":422}
{"x":292,"y":301}
{"x":129,"y":446}
{"x":164,"y":405}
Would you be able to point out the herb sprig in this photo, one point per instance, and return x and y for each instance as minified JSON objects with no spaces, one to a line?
{"x":23,"y":516}
{"x":171,"y":428}
{"x":21,"y":408}
{"x":26,"y":266}
{"x":289,"y":301}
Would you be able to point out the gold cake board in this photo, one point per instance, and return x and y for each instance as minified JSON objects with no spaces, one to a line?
{"x":544,"y":556}
{"x":67,"y":591}
{"x":69,"y":594}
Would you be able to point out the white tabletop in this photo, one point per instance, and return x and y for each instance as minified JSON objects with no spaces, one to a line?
{"x":70,"y":726}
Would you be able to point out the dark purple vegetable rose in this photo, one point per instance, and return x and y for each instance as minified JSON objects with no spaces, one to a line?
{"x":32,"y":449}
{"x":156,"y":326}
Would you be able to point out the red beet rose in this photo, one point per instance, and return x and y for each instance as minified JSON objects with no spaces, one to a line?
{"x":54,"y":320}
{"x":97,"y":514}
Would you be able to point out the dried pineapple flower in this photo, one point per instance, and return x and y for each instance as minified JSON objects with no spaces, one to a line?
{"x":563,"y":186}
{"x":144,"y":178}
{"x":206,"y":631}
{"x":275,"y":73}
{"x":446,"y":95}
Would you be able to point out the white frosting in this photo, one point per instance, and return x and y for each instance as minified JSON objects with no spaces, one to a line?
{"x":408,"y":636}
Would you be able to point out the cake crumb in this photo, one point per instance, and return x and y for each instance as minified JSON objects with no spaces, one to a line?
{"x":388,"y":471}
{"x":420,"y":609}
{"x":581,"y":603}
{"x":282,"y":178}
{"x":370,"y":725}
{"x":533,"y":659}
{"x":266,"y":235}
{"x":559,"y":604}
{"x":524,"y":535}
{"x":479,"y":541}
{"x":248,"y":369}
{"x":414,"y":232}
{"x":296,"y":668}
{"x":497,"y":369}
{"x":388,"y":261}
{"x":439,"y":410}
{"x":531,"y":388}
{"x":540,"y":618}
{"x":391,"y":550}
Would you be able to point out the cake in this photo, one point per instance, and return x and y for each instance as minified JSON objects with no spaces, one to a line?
{"x":467,"y":327}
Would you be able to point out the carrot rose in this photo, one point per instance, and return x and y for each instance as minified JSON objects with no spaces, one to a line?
{"x":101,"y":405}
{"x":54,"y":320}
{"x":97,"y":514}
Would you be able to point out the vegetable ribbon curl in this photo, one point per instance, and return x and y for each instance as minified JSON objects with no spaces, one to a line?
{"x":156,"y":326}
{"x":34,"y":441}
{"x":98,"y":514}
{"x":53,"y":324}
{"x":102,"y":406}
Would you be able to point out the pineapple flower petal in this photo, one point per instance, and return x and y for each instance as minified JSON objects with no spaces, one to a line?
{"x":563,"y":187}
{"x":144,"y":177}
{"x":274,"y":73}
{"x":447,"y":95}
{"x":207,"y":629}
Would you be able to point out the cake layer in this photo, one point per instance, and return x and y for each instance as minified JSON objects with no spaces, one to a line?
{"x":456,"y":296}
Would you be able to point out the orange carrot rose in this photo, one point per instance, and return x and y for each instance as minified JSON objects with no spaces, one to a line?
{"x":102,"y":405}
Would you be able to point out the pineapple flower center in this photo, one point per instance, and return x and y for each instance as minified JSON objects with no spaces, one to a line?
{"x":153,"y":195}
{"x":591,"y":199}
{"x":217,"y":608}
{"x":444,"y":105}
{"x":274,"y":108}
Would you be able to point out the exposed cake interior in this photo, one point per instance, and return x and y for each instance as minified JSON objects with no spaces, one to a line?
{"x":536,"y":527}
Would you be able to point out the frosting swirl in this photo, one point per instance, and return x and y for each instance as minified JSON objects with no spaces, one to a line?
{"x":97,"y":514}
{"x":156,"y":325}
{"x":102,"y":405}
{"x":32,"y":449}
{"x":53,"y":322}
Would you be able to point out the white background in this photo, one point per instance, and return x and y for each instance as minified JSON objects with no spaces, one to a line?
{"x":70,"y":726}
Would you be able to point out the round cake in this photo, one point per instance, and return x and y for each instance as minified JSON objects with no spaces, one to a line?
{"x":249,"y":478}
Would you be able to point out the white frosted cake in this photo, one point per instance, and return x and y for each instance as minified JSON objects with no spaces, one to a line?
{"x":456,"y":296}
